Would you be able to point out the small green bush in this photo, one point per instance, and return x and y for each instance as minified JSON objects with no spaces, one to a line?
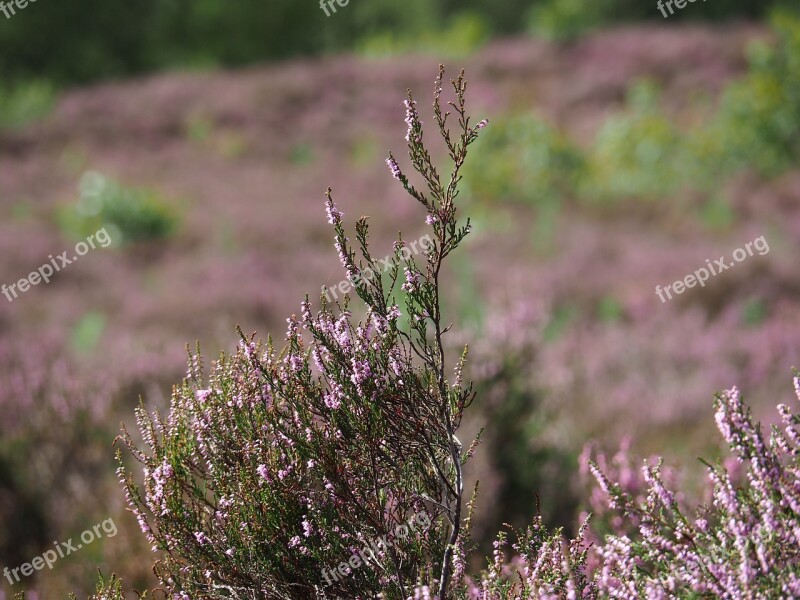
{"x":527,"y":160}
{"x":639,"y":154}
{"x":23,"y":103}
{"x":129,"y":214}
{"x":760,"y":115}
{"x":466,"y":32}
{"x":566,"y":19}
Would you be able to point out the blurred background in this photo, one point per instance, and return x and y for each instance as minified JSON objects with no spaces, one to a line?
{"x":624,"y":150}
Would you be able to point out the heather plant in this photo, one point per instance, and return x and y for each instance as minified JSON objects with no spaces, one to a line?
{"x":276,"y":464}
{"x":741,"y":544}
{"x":42,"y":393}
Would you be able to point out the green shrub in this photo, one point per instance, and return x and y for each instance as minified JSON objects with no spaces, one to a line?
{"x":526,"y":160}
{"x":23,"y":103}
{"x":466,"y":32}
{"x":760,"y":114}
{"x":129,"y":214}
{"x":638,"y":154}
{"x":566,"y":19}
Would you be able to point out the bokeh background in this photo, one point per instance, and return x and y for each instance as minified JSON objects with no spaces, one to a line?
{"x":624,"y":150}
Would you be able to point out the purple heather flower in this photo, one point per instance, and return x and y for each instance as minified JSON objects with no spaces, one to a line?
{"x":412,"y":118}
{"x":201,"y":538}
{"x":343,"y":258}
{"x":394,"y":168}
{"x":412,"y":280}
{"x":334,"y":214}
{"x":305,"y":309}
{"x":143,"y":524}
{"x":483,"y":124}
{"x":333,"y":397}
{"x":361,"y":373}
{"x":296,"y":363}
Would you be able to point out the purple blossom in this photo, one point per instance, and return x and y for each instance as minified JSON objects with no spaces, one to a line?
{"x":394,"y":168}
{"x":412,"y":281}
{"x":412,"y":120}
{"x":334,"y":214}
{"x":201,"y":538}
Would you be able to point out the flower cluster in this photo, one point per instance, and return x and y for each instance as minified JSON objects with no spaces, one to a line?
{"x":744,"y":543}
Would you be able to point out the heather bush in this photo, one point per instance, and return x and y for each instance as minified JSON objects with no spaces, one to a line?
{"x":742,"y":542}
{"x":54,"y":466}
{"x":278,"y":464}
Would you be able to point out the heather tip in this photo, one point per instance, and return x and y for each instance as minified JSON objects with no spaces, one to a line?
{"x":334,"y":214}
{"x":393,"y":167}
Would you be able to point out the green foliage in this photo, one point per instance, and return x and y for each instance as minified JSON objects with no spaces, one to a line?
{"x":638,"y":154}
{"x":25,"y":102}
{"x":301,"y":154}
{"x":526,"y":160}
{"x":566,"y":19}
{"x":467,"y":32}
{"x":643,"y":154}
{"x":110,"y":589}
{"x":129,"y":214}
{"x":88,"y":331}
{"x":761,"y":113}
{"x":112,"y":38}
